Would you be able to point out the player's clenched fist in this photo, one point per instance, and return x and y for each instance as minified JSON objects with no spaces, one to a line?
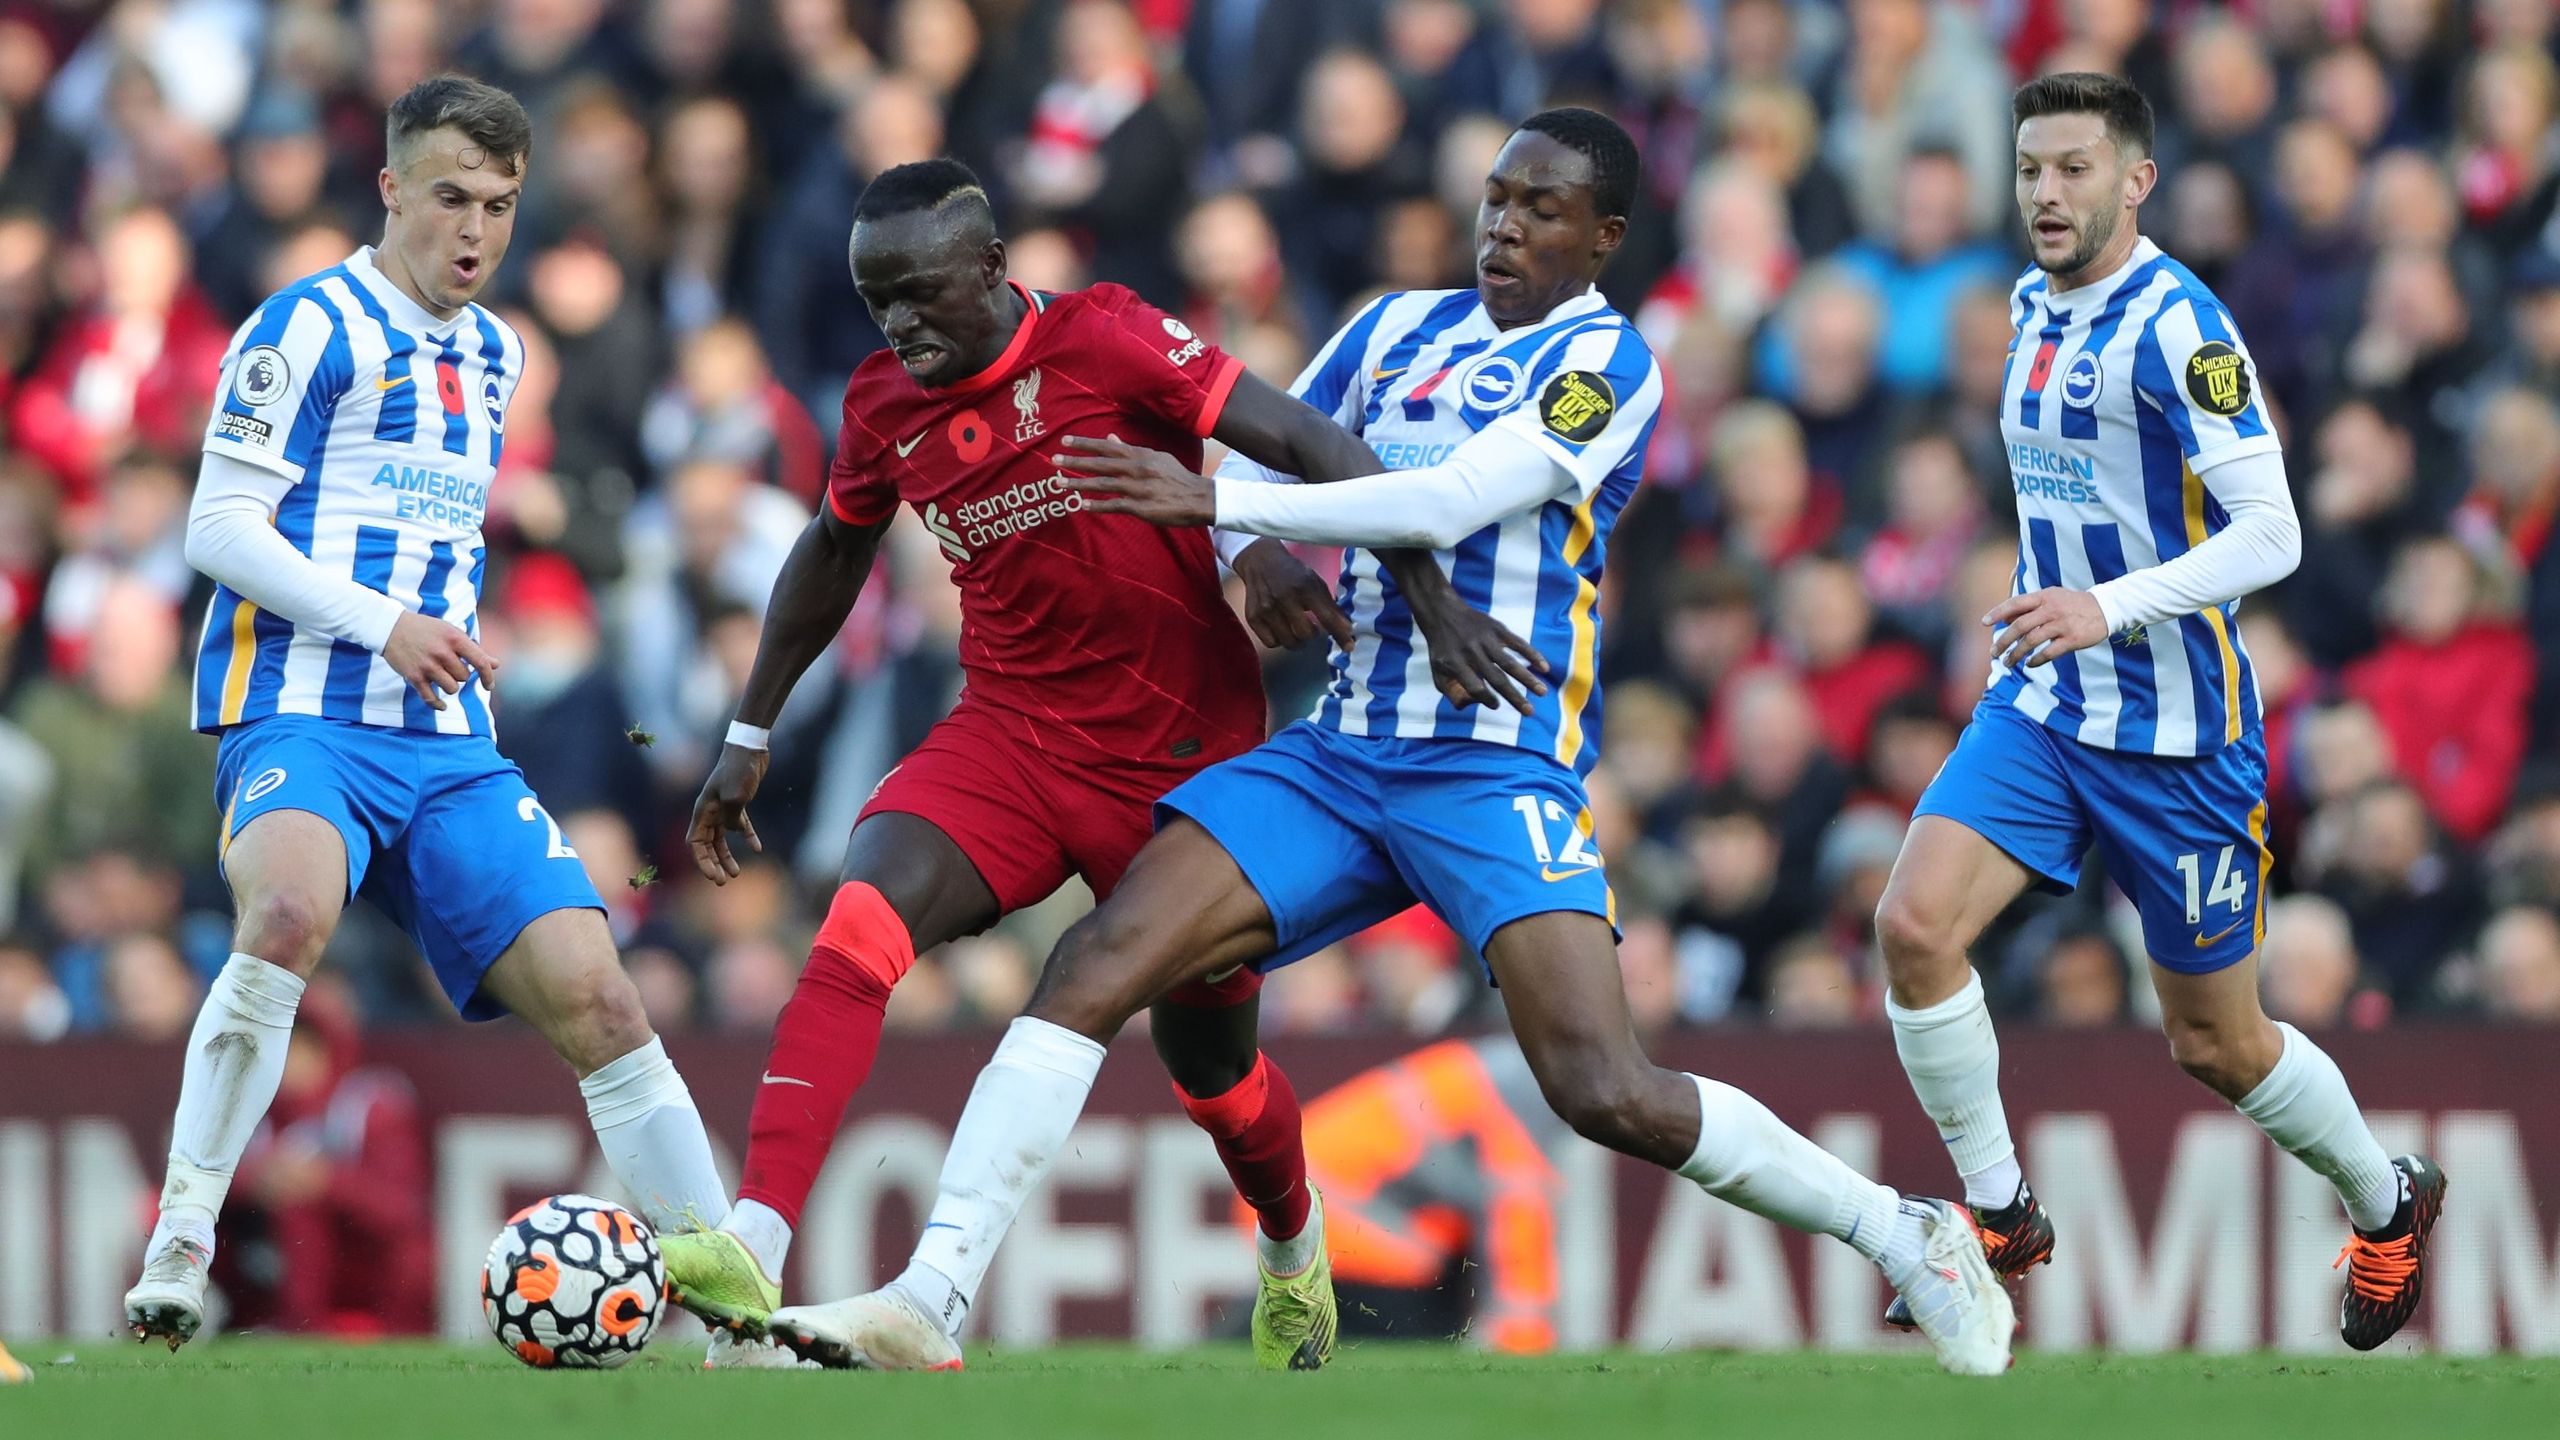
{"x":2045,"y":625}
{"x":722,"y":807}
{"x":1287,"y":604}
{"x":436,"y":657}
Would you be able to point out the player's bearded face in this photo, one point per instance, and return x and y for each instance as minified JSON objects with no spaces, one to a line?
{"x":2076,"y":189}
{"x":452,"y":214}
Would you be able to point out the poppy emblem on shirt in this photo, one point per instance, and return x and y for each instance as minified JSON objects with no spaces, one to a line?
{"x":970,"y":436}
{"x":2041,"y":369}
{"x":449,"y":386}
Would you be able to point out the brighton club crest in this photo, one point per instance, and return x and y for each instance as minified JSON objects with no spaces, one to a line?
{"x":1026,"y":408}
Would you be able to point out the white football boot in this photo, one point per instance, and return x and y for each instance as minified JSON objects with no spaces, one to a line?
{"x":884,"y":1330}
{"x":729,"y":1352}
{"x":168,"y":1302}
{"x":1955,"y":1298}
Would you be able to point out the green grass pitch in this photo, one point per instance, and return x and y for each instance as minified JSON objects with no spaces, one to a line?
{"x":255,"y":1390}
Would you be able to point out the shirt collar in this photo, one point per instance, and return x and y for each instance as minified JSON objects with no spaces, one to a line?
{"x":406,"y":313}
{"x":1589,"y":302}
{"x":2098,"y":292}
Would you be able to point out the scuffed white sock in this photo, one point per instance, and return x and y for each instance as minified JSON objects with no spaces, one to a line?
{"x":1952,"y":1055}
{"x":763,"y":1231}
{"x":235,"y":1061}
{"x":1748,"y":1157}
{"x":2305,"y":1107}
{"x":1295,"y":1254}
{"x":653,"y":1140}
{"x":1019,"y":1113}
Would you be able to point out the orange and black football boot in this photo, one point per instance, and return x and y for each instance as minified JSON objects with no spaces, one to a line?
{"x":2016,"y":1238}
{"x":2387,"y":1268}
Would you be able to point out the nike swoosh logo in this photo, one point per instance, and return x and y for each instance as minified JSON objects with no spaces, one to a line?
{"x":772,"y":1079}
{"x":1551,"y":874}
{"x":2204,"y":940}
{"x":1388,"y":374}
{"x":910,"y":445}
{"x":388,"y":383}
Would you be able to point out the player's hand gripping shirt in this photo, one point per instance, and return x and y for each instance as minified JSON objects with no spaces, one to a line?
{"x":2121,"y":398}
{"x":1418,"y":373}
{"x":389,"y":423}
{"x":1102,"y":638}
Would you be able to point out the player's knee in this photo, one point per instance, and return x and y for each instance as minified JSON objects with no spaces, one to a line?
{"x":286,"y":928}
{"x":2214,"y":1054}
{"x":597,"y":1017}
{"x":1603,"y":1103}
{"x":1915,"y":932}
{"x":1085,"y":985}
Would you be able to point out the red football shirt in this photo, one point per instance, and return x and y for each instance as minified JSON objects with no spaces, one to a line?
{"x":1100,"y":638}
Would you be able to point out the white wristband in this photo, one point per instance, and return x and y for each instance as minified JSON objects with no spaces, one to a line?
{"x":750,"y":737}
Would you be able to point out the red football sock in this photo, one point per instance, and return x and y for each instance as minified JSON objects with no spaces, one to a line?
{"x":823,"y":1047}
{"x":1255,"y":1127}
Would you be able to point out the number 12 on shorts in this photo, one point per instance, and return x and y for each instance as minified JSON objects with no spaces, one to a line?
{"x":1577,"y":854}
{"x":529,"y":809}
{"x":2230,"y":886}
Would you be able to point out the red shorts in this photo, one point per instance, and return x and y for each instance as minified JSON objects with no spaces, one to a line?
{"x":1027,"y":819}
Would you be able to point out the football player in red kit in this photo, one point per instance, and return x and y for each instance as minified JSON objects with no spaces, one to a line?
{"x":1103,"y":667}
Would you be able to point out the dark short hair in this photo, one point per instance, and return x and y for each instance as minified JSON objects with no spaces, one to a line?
{"x":487,"y":116}
{"x":927,"y":185}
{"x":1603,"y":142}
{"x":2111,"y":98}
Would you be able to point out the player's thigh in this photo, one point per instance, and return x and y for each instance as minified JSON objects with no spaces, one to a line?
{"x":2186,"y":839}
{"x":2001,"y":816}
{"x":960,"y":832}
{"x":563,"y":975}
{"x":1183,"y":911}
{"x":481,"y":862}
{"x":1488,"y":834}
{"x":925,"y":875}
{"x":1560,"y":982}
{"x":303,"y":804}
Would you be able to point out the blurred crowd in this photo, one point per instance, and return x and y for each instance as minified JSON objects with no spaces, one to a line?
{"x":1821,"y":258}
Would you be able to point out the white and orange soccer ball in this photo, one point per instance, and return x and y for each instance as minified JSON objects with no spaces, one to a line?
{"x":573,"y":1283}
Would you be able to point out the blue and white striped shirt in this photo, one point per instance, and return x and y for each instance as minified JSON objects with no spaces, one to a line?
{"x":389,"y":422}
{"x":2121,"y":397}
{"x":1418,"y":372}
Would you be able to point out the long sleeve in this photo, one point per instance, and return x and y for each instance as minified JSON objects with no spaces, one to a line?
{"x":2260,"y":546}
{"x":1497,"y":473}
{"x":231,"y":536}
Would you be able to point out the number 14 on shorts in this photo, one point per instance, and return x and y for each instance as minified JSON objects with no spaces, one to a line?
{"x":2230,"y":886}
{"x":1575,"y":856}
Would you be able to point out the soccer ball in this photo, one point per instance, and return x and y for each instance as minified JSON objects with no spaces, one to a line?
{"x":573,"y":1283}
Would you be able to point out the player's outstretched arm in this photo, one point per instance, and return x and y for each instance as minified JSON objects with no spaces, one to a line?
{"x":1474,"y":659}
{"x":811,"y":598}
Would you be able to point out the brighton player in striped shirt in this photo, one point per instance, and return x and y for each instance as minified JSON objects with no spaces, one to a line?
{"x":2121,"y":710}
{"x":346,"y":468}
{"x":1513,"y":417}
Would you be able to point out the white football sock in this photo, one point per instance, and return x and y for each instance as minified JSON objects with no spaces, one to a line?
{"x":1295,"y":1254}
{"x":1748,"y":1157}
{"x":1019,"y":1113}
{"x":1953,"y":1058}
{"x":235,"y":1060}
{"x":2305,"y":1107}
{"x":653,"y":1140}
{"x":763,"y":1231}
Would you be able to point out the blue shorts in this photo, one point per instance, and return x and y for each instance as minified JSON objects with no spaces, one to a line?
{"x":2185,"y":837}
{"x":441,"y":832}
{"x":1338,"y":832}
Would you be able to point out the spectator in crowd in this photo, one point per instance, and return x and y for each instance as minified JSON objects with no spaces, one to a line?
{"x":151,"y":994}
{"x":1358,"y":160}
{"x":1774,"y":506}
{"x":1740,"y":910}
{"x":2408,"y":898}
{"x":2533,"y":357}
{"x":2361,"y":497}
{"x":1934,"y":514}
{"x":1770,"y":126}
{"x":2503,"y":152}
{"x":2514,"y":505}
{"x":1931,"y":259}
{"x":32,"y":1006}
{"x":2308,"y":967}
{"x":2293,"y":294}
{"x":2081,"y":984}
{"x":2452,"y":684}
{"x":1812,"y":986}
{"x":1826,"y":633}
{"x":1907,"y":83}
{"x":2520,"y":965}
{"x":2226,"y":99}
{"x":1104,"y":159}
